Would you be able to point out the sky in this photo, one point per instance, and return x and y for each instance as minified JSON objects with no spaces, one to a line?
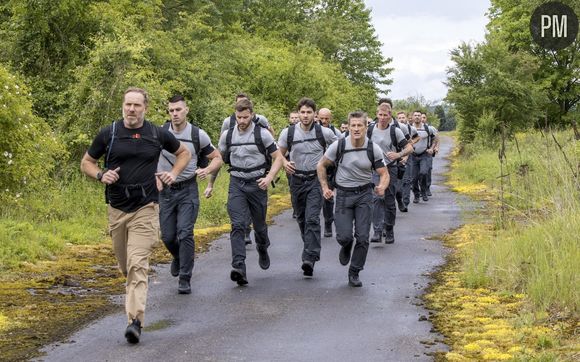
{"x":419,"y":35}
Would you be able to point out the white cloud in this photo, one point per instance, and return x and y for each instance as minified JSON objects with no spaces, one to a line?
{"x":419,"y":35}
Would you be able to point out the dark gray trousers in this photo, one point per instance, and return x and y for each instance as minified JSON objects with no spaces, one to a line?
{"x":307,"y":198}
{"x":384,"y":207}
{"x":354,"y":207}
{"x":328,"y":211}
{"x":178,"y":209}
{"x":246,"y":198}
{"x":420,"y":171}
{"x":407,"y":182}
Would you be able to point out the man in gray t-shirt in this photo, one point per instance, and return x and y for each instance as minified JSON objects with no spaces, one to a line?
{"x":394,"y":146}
{"x":404,"y":182}
{"x":424,"y":148}
{"x":179,"y":202}
{"x":246,"y":148}
{"x":355,"y":158}
{"x":306,"y":143}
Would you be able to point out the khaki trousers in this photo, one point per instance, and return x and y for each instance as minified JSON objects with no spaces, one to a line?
{"x":134,"y":236}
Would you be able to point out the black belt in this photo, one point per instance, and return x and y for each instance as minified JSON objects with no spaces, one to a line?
{"x":356,"y":189}
{"x":248,"y":178}
{"x":419,"y":154}
{"x":181,"y":184}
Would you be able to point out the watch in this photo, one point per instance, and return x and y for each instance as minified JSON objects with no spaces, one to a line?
{"x":100,"y":175}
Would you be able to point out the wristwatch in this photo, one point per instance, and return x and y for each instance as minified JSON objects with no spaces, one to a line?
{"x":100,"y":175}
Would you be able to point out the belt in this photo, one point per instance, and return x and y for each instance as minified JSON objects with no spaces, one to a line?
{"x":419,"y":154}
{"x":356,"y":189}
{"x":248,"y":178}
{"x":181,"y":184}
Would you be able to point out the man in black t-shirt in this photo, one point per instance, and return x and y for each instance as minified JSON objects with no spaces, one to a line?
{"x":131,"y":148}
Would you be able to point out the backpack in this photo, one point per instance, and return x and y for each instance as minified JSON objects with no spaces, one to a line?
{"x":393,"y":134}
{"x":429,"y":135}
{"x":319,"y":137}
{"x":256,"y":121}
{"x":202,"y":159}
{"x":113,"y":137}
{"x":257,"y":141}
{"x":341,"y":150}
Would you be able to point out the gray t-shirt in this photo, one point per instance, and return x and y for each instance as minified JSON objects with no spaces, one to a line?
{"x":421,"y":145}
{"x":382,"y":137}
{"x":247,"y":156}
{"x":167,"y":159}
{"x":306,"y":154}
{"x":262,"y":120}
{"x":355,"y":169}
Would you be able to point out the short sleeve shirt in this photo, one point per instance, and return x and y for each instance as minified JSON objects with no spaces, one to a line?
{"x":422,"y":144}
{"x":167,"y":159}
{"x":136,"y":152}
{"x":382,"y":137}
{"x":355,"y":169}
{"x":307,"y":150}
{"x":247,"y":155}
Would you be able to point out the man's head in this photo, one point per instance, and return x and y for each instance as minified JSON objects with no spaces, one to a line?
{"x":423,"y":117}
{"x":357,"y":124}
{"x":402,"y":117}
{"x":241,"y":96}
{"x":306,"y":107}
{"x":135,"y":101}
{"x":294,"y":118}
{"x":325,"y":117}
{"x":244,"y":113}
{"x":178,"y":110}
{"x":384,"y":114}
{"x":417,"y":117}
{"x":387,"y":101}
{"x":344,"y":126}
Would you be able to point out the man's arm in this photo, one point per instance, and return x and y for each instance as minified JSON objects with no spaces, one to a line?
{"x":182,"y":157}
{"x":211,"y":171}
{"x":90,"y":168}
{"x":276,"y":166}
{"x":324,"y":162}
{"x":289,"y":167}
{"x":383,"y":182}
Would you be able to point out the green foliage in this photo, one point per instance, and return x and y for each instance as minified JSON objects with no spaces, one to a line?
{"x":29,"y":150}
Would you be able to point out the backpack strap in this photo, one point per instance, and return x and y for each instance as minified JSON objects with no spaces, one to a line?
{"x":319,"y":137}
{"x":112,"y":134}
{"x":371,"y":153}
{"x":370,"y":130}
{"x":340,"y":151}
{"x":428,"y":135}
{"x":258,"y":142}
{"x":290,"y":138}
{"x":232,"y":121}
{"x":394,"y":139}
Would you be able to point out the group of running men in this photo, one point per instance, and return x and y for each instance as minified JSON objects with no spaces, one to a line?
{"x":356,"y":175}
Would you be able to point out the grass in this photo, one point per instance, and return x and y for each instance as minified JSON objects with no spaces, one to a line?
{"x":510,"y":289}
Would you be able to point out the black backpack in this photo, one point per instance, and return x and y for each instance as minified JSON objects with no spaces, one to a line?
{"x":341,"y":150}
{"x":319,"y":137}
{"x":202,"y":159}
{"x":113,"y":136}
{"x":257,"y":141}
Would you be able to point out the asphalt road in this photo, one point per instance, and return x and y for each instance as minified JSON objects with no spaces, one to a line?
{"x":280,"y":315}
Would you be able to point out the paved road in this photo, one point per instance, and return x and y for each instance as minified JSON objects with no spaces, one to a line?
{"x":280,"y":316}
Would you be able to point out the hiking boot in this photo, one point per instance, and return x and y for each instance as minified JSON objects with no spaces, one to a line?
{"x":344,"y":254}
{"x":425,"y":198}
{"x":429,"y":193}
{"x":376,"y":237}
{"x":247,"y":239}
{"x":416,"y":200}
{"x":401,"y":205}
{"x":133,"y":331}
{"x":328,"y":230}
{"x":263,"y":257}
{"x":239,"y":276}
{"x":354,"y":281}
{"x":389,"y":235}
{"x":175,"y":267}
{"x":184,"y":287}
{"x":308,"y":268}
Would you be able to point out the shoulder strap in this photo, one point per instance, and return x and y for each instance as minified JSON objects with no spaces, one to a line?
{"x":258,"y":140}
{"x":320,"y":136}
{"x":371,"y":153}
{"x":195,"y":139}
{"x":113,"y":133}
{"x":428,"y":135}
{"x":340,"y":151}
{"x":229,"y":134}
{"x":232,"y":121}
{"x":290,"y":139}
{"x":394,"y":139}
{"x":166,"y":125}
{"x":370,"y":130}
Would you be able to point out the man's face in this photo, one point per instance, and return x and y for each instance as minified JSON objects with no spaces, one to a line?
{"x":134,"y":109}
{"x":294,"y":118}
{"x":357,"y":128}
{"x":423,"y":118}
{"x":344,"y":127}
{"x":401,"y":117}
{"x":325,"y":117}
{"x":384,"y":115}
{"x":306,"y":115}
{"x":417,"y":117}
{"x":244,"y":118}
{"x":178,"y":112}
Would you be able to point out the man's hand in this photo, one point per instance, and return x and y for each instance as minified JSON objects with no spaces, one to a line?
{"x":166,"y":177}
{"x":264,"y":182}
{"x":202,"y":173}
{"x":379,"y":191}
{"x":290,"y":167}
{"x":327,"y":193}
{"x":208,"y":192}
{"x":111,"y":176}
{"x":392,"y":156}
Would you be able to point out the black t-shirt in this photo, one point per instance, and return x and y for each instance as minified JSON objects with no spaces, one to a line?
{"x":136,"y":152}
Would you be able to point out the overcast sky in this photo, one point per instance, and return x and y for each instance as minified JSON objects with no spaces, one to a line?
{"x":419,"y":34}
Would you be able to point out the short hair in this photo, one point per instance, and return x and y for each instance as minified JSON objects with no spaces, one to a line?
{"x":241,"y":95}
{"x":244,"y":104}
{"x":401,"y":112}
{"x":383,"y":107}
{"x":357,"y":114}
{"x":424,"y":113}
{"x":306,"y":102}
{"x":386,"y":100}
{"x":417,"y":111}
{"x":137,"y":90}
{"x":176,"y":98}
{"x":344,"y":122}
